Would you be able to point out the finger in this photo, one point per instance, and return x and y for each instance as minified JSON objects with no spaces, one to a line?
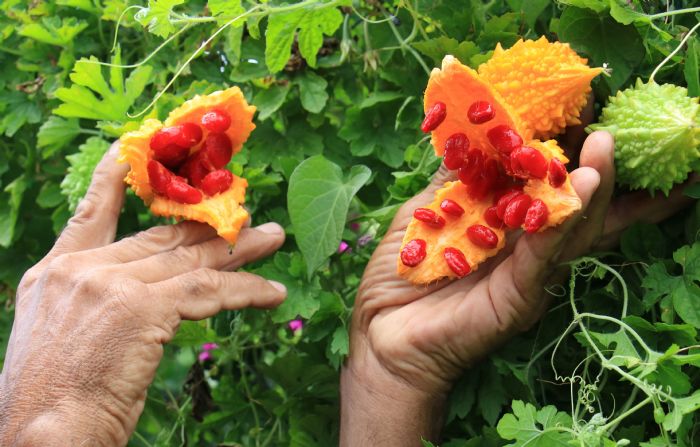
{"x":575,"y":135}
{"x":95,"y":221}
{"x":252,"y":244}
{"x":157,"y":240}
{"x":640,"y":207}
{"x":597,"y":153}
{"x":203,"y":293}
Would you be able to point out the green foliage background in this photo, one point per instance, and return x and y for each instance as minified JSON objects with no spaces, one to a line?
{"x":338,"y":86}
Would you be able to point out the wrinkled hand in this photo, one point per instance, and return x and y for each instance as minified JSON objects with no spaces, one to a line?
{"x":409,"y":343}
{"x":92,"y":317}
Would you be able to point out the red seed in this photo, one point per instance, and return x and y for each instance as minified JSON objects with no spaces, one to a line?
{"x":216,"y":182}
{"x":456,"y":261}
{"x":164,"y":138}
{"x":504,"y":139}
{"x":413,"y":252}
{"x":216,"y":121}
{"x":480,"y":112}
{"x":429,"y":217}
{"x":171,"y":155}
{"x":482,"y":236}
{"x":473,"y":165}
{"x":484,"y":184}
{"x":216,"y":151}
{"x":503,"y":202}
{"x":491,"y":217}
{"x":159,"y":177}
{"x":514,"y":215}
{"x":195,"y":169}
{"x":456,"y":151}
{"x":556,"y":172}
{"x":189,"y":136}
{"x":183,"y":193}
{"x":536,"y":216}
{"x":526,"y":162}
{"x":451,"y":207}
{"x":434,"y":117}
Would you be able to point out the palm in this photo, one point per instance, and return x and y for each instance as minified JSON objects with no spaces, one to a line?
{"x":445,"y":326}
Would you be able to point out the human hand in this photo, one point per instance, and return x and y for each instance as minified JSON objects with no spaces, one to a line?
{"x":91,"y":317}
{"x":408,"y":343}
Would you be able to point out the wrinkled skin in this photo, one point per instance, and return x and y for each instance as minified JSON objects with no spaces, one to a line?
{"x":92,"y":316}
{"x":410,"y":343}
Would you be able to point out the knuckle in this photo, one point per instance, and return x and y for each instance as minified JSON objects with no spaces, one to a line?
{"x":203,"y":282}
{"x":183,"y":256}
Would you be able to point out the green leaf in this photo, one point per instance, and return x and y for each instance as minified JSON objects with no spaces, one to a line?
{"x":604,"y":40}
{"x":268,"y":101}
{"x":595,"y":5}
{"x":642,"y":242}
{"x":681,"y":407}
{"x":439,"y":47}
{"x":193,"y":333}
{"x":683,"y":290}
{"x":692,"y":191}
{"x":85,"y":5}
{"x":531,"y":9}
{"x":55,"y":133}
{"x":54,"y":30}
{"x":115,"y":98}
{"x":9,"y":209}
{"x":624,"y":13}
{"x":20,"y":110}
{"x":691,"y":68}
{"x":303,"y":297}
{"x":312,"y":22}
{"x":340,"y":342}
{"x":225,"y":10}
{"x":49,"y":195}
{"x":530,"y":427}
{"x":157,"y":16}
{"x":312,"y":91}
{"x":82,"y":164}
{"x":318,"y":199}
{"x":492,"y":395}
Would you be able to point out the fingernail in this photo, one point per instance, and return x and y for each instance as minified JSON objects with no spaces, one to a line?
{"x":279,"y":286}
{"x":114,"y":148}
{"x":270,"y":228}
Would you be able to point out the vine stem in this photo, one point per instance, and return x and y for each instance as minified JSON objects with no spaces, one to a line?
{"x":673,"y":53}
{"x":149,"y":57}
{"x":191,"y":58}
{"x":672,"y":13}
{"x":622,"y":416}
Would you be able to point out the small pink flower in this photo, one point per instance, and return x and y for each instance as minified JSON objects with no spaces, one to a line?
{"x":343,"y":247}
{"x":204,"y":356}
{"x":296,"y":325}
{"x":209,"y":346}
{"x":355,"y":226}
{"x":364,"y":240}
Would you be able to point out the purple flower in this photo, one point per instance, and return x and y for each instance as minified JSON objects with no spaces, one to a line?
{"x":209,"y":346}
{"x":343,"y":247}
{"x":204,"y":356}
{"x":296,"y":325}
{"x":355,"y":226}
{"x":364,"y":240}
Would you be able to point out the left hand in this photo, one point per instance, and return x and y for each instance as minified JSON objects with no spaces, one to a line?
{"x":91,"y":318}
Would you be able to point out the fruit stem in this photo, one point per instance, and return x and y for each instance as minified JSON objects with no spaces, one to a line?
{"x":673,"y":53}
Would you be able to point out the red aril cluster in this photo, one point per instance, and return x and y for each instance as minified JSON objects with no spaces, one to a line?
{"x":199,"y":164}
{"x":498,"y":171}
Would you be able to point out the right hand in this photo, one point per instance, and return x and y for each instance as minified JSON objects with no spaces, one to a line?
{"x":91,"y":317}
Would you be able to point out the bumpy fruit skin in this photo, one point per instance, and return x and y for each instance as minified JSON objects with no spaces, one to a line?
{"x":486,"y":174}
{"x":223,"y":211}
{"x":657,"y":135}
{"x":546,"y":83}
